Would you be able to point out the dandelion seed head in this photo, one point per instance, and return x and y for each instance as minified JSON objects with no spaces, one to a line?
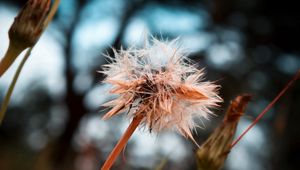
{"x":159,"y":83}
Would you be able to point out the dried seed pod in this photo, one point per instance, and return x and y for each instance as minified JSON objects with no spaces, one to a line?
{"x":213,"y":153}
{"x":25,"y":30}
{"x":29,"y":24}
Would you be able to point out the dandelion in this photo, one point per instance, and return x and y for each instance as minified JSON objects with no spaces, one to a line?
{"x":159,"y":88}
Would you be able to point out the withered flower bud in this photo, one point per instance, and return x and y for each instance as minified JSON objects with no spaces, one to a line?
{"x":29,"y":24}
{"x":213,"y":153}
{"x":25,"y":30}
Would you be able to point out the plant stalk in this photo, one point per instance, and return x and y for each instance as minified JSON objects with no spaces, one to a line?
{"x":12,"y":85}
{"x":11,"y":54}
{"x":122,"y":142}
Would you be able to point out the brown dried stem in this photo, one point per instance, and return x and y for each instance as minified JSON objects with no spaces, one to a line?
{"x":9,"y":57}
{"x":12,"y":85}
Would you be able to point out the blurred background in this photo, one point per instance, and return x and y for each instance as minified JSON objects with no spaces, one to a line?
{"x":54,"y":119}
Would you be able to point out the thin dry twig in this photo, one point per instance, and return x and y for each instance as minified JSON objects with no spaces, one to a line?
{"x":283,"y":91}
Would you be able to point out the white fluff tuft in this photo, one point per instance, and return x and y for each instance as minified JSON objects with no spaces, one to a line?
{"x":160,"y":83}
